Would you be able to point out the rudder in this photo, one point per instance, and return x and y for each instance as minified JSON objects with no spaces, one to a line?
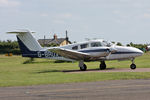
{"x":27,"y":43}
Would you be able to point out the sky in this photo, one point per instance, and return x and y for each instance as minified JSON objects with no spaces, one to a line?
{"x":122,"y":21}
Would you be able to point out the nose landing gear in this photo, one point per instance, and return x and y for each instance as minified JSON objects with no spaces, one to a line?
{"x":132,"y":66}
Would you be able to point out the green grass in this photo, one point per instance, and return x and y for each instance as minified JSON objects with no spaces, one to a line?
{"x":43,"y":71}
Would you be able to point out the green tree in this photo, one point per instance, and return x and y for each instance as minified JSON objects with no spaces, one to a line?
{"x":119,"y":44}
{"x":9,"y":47}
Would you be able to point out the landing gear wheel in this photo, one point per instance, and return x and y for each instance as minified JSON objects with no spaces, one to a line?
{"x":102,"y":65}
{"x":83,"y":68}
{"x":133,"y":66}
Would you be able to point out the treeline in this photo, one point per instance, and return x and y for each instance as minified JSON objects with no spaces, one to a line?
{"x":13,"y":47}
{"x":142,"y":47}
{"x":9,"y":47}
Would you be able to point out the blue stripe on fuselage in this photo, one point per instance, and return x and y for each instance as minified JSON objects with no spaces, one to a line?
{"x":125,"y":52}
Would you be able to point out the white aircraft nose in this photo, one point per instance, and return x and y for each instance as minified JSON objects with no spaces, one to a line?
{"x":138,"y":52}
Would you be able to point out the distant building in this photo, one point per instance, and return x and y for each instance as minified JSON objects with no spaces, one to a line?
{"x":55,"y":41}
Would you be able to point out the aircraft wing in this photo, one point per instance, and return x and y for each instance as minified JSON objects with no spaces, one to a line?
{"x":71,"y":54}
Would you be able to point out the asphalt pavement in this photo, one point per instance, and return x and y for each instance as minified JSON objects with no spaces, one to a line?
{"x":109,"y":70}
{"x":105,"y":90}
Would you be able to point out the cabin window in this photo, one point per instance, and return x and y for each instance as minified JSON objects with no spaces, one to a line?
{"x":96,"y":44}
{"x":75,"y":48}
{"x":84,"y":46}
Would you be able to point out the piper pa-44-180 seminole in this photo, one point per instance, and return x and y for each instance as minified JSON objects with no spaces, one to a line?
{"x":92,"y":50}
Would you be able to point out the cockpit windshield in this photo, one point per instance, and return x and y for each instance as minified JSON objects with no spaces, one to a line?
{"x":96,"y":44}
{"x":107,"y":44}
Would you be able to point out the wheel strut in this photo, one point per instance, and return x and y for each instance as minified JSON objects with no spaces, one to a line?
{"x":132,"y":66}
{"x":82,"y":66}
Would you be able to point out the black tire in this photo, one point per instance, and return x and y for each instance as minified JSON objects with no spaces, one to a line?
{"x":83,"y":68}
{"x":102,"y":65}
{"x":133,"y":66}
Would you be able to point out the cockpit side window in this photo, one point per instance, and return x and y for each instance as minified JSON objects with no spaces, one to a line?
{"x":84,"y":46}
{"x":75,"y":48}
{"x":96,"y":44}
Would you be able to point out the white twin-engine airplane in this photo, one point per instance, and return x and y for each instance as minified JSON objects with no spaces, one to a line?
{"x":93,"y":50}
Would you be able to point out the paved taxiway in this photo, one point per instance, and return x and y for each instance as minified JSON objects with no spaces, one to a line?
{"x":110,"y":70}
{"x":105,"y":90}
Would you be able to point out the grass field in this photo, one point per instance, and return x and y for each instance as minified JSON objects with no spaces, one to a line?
{"x":42,"y":71}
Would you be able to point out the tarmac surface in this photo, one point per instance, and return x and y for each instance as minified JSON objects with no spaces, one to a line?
{"x":105,"y":90}
{"x":110,"y":70}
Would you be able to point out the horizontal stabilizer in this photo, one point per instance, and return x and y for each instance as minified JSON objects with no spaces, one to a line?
{"x":19,"y":32}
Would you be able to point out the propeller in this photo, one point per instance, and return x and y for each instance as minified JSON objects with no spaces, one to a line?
{"x":112,"y":49}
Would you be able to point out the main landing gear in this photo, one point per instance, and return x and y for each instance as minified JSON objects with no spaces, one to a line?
{"x":132,"y":66}
{"x":82,"y":66}
{"x":102,"y":65}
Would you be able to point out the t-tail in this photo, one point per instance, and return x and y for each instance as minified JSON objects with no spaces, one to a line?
{"x":28,"y":45}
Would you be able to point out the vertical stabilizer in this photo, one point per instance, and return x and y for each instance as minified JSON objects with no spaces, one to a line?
{"x":28,"y":44}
